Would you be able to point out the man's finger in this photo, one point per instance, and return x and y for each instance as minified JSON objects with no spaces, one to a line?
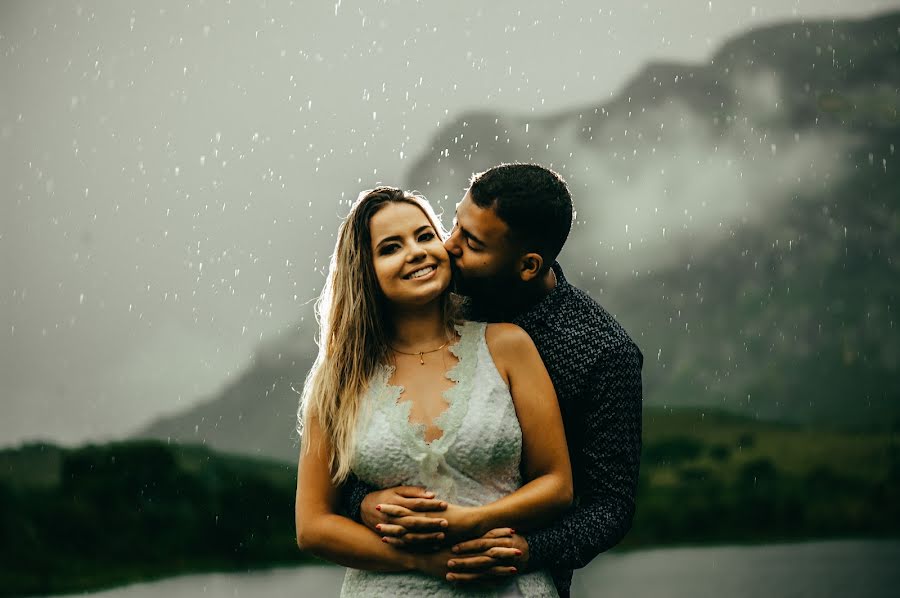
{"x":422,"y":505}
{"x":413,"y":492}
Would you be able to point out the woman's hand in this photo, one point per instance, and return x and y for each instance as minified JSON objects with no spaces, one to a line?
{"x":433,"y":563}
{"x":499,"y":553}
{"x":455,"y":523}
{"x":406,"y":512}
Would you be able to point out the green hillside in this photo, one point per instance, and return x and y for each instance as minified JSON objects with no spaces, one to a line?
{"x":711,"y":476}
{"x":74,"y":519}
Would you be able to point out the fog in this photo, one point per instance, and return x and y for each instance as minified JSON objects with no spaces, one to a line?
{"x":172,"y":177}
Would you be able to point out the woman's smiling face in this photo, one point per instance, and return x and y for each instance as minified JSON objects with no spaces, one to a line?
{"x":410,"y":261}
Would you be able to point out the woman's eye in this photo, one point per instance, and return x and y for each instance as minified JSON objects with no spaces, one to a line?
{"x":388,"y":249}
{"x":426,"y":237}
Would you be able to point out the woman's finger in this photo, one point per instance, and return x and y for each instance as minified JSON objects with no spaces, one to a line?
{"x":413,"y":492}
{"x":418,"y":540}
{"x":482,"y":575}
{"x":388,"y":529}
{"x":500,"y":532}
{"x":481,"y":545}
{"x":421,"y":524}
{"x":472,"y":563}
{"x":393,"y":510}
{"x":423,"y":505}
{"x":502,"y":571}
{"x":502,"y":553}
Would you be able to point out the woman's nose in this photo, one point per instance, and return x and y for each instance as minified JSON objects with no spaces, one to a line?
{"x":417,"y":252}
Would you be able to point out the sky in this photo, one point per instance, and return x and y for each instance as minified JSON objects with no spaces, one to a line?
{"x":171,"y":178}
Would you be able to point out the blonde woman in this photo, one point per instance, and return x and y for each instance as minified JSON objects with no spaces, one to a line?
{"x":403,"y":393}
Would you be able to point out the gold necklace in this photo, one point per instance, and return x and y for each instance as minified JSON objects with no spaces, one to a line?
{"x":421,"y":354}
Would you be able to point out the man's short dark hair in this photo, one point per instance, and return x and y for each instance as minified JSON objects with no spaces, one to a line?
{"x":532,"y":200}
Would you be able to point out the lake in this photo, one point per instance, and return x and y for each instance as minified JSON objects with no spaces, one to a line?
{"x":837,"y":569}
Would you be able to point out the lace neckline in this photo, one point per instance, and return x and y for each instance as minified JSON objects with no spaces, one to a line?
{"x":448,"y":421}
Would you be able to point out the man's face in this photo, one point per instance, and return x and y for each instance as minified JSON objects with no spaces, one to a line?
{"x":483,"y":256}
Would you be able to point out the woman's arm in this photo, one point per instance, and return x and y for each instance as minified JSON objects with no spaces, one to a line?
{"x":548,"y":491}
{"x":324,"y":533}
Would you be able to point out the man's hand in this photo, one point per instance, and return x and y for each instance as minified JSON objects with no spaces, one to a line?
{"x":405,"y":516}
{"x":498,"y":553}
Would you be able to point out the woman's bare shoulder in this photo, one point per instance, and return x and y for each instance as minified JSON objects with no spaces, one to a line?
{"x":503,"y":339}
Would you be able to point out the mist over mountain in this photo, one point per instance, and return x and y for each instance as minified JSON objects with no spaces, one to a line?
{"x":767,"y":178}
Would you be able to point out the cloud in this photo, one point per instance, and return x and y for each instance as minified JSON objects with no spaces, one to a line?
{"x":684,"y":179}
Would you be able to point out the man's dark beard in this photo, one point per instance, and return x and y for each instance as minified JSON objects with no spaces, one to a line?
{"x":488,"y":298}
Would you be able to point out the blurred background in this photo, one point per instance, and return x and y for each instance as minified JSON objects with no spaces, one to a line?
{"x":172,"y":178}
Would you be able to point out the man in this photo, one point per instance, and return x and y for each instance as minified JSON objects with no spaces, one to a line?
{"x":509,"y":228}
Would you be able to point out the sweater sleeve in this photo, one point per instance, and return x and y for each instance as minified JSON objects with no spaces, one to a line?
{"x":352,"y":492}
{"x":606,"y":460}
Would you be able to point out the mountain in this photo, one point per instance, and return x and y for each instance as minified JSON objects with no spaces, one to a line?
{"x":739,"y":217}
{"x":256,"y":413}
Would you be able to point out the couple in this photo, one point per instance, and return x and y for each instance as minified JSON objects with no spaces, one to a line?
{"x":434,"y":458}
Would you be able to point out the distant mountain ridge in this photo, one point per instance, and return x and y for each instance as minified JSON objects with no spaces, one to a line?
{"x":740,"y":219}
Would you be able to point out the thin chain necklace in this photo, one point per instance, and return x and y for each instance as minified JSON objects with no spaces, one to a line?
{"x":421,"y":354}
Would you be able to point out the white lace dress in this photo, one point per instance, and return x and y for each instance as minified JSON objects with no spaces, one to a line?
{"x":475,"y":461}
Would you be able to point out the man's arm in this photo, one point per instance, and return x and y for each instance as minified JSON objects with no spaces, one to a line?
{"x":352,"y":493}
{"x":609,"y":462}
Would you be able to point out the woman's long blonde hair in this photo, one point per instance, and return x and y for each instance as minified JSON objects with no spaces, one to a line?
{"x":354,"y":328}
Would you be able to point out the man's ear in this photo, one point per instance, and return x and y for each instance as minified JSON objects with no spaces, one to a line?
{"x":530,"y":266}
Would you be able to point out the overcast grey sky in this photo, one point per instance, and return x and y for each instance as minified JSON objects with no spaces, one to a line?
{"x":171,"y":177}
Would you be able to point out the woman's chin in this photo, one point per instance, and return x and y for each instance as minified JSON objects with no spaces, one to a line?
{"x":425,"y":297}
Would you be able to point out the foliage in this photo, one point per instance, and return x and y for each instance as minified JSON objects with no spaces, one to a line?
{"x":715,"y":477}
{"x":103,"y":515}
{"x":75,"y":519}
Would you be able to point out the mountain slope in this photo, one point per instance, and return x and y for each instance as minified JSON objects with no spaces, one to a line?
{"x":739,"y":217}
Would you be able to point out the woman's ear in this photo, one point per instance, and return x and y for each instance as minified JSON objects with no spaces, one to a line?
{"x":530,"y":266}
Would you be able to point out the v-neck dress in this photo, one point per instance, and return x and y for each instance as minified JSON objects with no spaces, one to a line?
{"x":474,"y":462}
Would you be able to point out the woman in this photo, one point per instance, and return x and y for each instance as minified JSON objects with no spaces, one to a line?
{"x":402,"y":393}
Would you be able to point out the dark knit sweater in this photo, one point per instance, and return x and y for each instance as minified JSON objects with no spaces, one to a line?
{"x":596,"y":371}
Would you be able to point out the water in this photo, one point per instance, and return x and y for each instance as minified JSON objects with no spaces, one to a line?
{"x":839,"y":569}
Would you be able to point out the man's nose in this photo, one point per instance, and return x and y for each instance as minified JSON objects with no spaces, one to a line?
{"x":452,"y":244}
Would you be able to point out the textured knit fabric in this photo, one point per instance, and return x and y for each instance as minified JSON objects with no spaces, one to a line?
{"x":475,"y":461}
{"x":596,"y":371}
